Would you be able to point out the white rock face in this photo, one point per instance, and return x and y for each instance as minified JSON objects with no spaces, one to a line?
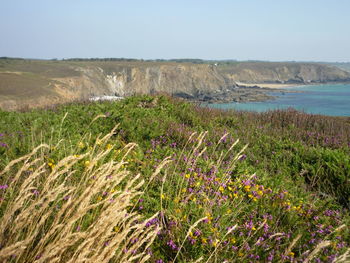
{"x":102,"y":98}
{"x":116,"y":84}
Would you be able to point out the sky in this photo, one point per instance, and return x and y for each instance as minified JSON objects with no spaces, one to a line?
{"x":274,"y":30}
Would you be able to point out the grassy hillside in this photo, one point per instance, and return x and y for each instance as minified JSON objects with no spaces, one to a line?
{"x":281,"y":193}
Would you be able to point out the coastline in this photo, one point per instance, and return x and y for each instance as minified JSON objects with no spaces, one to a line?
{"x":271,"y":85}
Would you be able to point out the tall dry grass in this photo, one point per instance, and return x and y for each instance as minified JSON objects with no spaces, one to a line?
{"x":70,"y":213}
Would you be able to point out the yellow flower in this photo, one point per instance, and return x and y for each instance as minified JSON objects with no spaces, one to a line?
{"x":187,"y":176}
{"x":99,"y":198}
{"x":81,"y":145}
{"x":87,"y":163}
{"x":216,"y":242}
{"x":183,"y":190}
{"x":204,"y":240}
{"x":233,"y":240}
{"x":221,"y":189}
{"x":291,"y":254}
{"x":253,"y":228}
{"x":163,"y":196}
{"x":213,"y":229}
{"x":108,"y":146}
{"x":116,"y":229}
{"x":247,"y":188}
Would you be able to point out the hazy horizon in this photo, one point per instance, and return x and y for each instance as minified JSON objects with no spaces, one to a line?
{"x":312,"y":31}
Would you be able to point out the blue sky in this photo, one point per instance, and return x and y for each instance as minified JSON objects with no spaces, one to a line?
{"x":276,"y":30}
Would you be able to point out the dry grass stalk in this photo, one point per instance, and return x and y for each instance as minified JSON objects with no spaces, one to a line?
{"x":188,"y":233}
{"x":290,"y":247}
{"x":43,"y":214}
{"x":343,"y":258}
{"x":318,"y":248}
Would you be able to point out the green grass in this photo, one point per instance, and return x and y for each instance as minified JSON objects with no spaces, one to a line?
{"x":214,"y":201}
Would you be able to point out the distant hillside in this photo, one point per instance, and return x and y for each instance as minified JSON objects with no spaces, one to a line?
{"x":36,"y":83}
{"x":344,"y":66}
{"x":281,"y":72}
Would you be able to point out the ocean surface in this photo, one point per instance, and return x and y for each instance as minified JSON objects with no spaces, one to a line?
{"x":327,"y":99}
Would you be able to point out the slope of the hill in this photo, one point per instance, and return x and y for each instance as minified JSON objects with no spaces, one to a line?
{"x":284,"y":198}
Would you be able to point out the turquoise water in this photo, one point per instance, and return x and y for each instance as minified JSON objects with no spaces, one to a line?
{"x":327,"y":99}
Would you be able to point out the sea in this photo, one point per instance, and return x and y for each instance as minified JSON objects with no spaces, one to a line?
{"x":326,"y":99}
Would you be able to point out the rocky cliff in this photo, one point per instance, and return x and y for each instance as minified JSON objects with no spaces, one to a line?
{"x":295,"y":73}
{"x":41,"y":83}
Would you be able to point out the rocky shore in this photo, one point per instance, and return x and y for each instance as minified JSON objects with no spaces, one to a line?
{"x":233,"y":94}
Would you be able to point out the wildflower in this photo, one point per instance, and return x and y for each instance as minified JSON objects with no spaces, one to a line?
{"x":87,"y":163}
{"x":215,"y":242}
{"x":187,"y":176}
{"x":4,"y":186}
{"x":172,"y":245}
{"x":116,"y":229}
{"x":242,"y":157}
{"x":291,"y":254}
{"x":4,"y":145}
{"x":81,"y":145}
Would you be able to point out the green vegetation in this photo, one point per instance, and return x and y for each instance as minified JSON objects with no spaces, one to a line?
{"x":281,"y":193}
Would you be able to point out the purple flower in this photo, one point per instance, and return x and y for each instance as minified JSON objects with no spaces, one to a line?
{"x":2,"y":144}
{"x":243,"y":157}
{"x":159,"y":261}
{"x":172,"y":245}
{"x":4,"y":186}
{"x":197,"y":233}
